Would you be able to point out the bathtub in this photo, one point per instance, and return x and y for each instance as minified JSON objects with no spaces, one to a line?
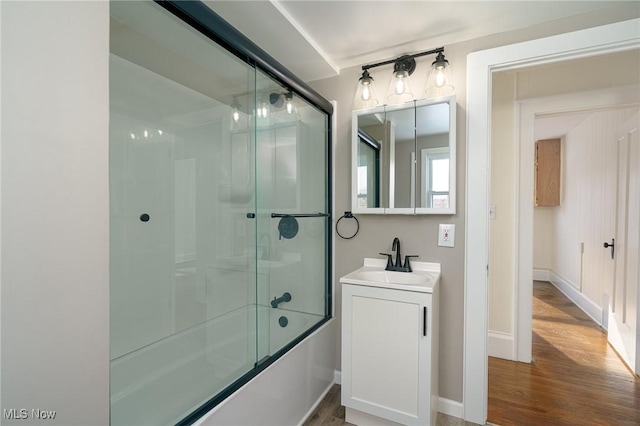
{"x":182,"y":372}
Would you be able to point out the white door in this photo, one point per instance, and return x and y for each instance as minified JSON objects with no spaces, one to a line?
{"x":623,"y":313}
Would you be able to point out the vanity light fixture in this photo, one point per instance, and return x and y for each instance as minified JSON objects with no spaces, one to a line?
{"x":366,"y":95}
{"x":262,"y":110}
{"x":400,"y":91}
{"x":439,"y":80}
{"x":280,"y":99}
{"x":289,"y":101}
{"x":235,"y":107}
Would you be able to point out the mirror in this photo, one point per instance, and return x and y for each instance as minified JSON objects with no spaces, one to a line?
{"x":403,"y":158}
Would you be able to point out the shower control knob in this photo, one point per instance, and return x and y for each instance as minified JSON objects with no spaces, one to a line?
{"x":144,"y":217}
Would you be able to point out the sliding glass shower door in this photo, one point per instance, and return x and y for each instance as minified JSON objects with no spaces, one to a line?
{"x":291,"y":216}
{"x":219,"y":218}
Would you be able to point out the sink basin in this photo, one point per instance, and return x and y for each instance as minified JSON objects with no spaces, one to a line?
{"x":424,"y":278}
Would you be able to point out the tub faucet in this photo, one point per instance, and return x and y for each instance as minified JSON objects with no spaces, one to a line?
{"x":398,"y":266}
{"x":286,"y":297}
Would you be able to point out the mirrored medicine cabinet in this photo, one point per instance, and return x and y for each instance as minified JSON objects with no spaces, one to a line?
{"x":404,"y":158}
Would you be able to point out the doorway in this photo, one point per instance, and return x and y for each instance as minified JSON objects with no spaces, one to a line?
{"x":567,"y":244}
{"x":582,"y":220}
{"x":480,"y":67}
{"x":526,"y":109}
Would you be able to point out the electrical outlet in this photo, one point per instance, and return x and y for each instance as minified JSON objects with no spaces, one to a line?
{"x":446,"y":235}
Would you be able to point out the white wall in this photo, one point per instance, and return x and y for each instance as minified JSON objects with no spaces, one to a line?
{"x":501,"y":230}
{"x":55,"y":210}
{"x":543,"y":231}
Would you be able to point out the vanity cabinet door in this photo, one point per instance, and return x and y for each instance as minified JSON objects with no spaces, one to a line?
{"x":387,"y":354}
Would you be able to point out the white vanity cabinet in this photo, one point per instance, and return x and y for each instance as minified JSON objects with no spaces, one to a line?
{"x":390,"y":354}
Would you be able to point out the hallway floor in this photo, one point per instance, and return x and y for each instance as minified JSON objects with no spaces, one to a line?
{"x":576,"y":378}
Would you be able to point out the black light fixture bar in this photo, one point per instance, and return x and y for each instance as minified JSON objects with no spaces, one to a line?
{"x":404,"y":57}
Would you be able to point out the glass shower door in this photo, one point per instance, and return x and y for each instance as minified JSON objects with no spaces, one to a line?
{"x":219,"y":218}
{"x":292,"y":219}
{"x":182,"y":248}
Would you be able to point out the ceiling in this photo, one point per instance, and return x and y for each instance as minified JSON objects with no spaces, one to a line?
{"x":317,"y":39}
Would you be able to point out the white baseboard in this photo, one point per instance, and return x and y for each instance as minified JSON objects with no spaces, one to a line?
{"x":450,"y":407}
{"x":500,"y":345}
{"x":583,"y":302}
{"x":445,"y":406}
{"x":541,"y":275}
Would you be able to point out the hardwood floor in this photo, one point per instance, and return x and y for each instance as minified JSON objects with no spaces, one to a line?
{"x":575,"y":379}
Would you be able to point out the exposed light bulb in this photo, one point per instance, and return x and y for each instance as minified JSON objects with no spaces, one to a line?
{"x":440,"y":77}
{"x":399,"y":85}
{"x":133,"y":136}
{"x":366,"y":92}
{"x":160,"y":132}
{"x":289,"y":98}
{"x":439,"y":81}
{"x":262,"y":110}
{"x":235,"y":109}
{"x":146,"y":134}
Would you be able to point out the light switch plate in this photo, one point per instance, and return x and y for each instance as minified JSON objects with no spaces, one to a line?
{"x":492,"y":212}
{"x":446,"y":235}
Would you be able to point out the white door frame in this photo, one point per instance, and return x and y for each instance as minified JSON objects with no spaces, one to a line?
{"x":480,"y":66}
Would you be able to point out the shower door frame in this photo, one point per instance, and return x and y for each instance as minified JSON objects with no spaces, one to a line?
{"x":206,"y":21}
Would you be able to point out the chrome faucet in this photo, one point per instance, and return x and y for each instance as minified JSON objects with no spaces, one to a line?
{"x":398,"y":266}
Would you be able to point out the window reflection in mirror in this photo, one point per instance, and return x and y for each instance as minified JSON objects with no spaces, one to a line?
{"x":372,"y":161}
{"x":403,"y":158}
{"x":402,"y":145}
{"x":432,"y":142}
{"x":435,"y":178}
{"x":368,"y":171}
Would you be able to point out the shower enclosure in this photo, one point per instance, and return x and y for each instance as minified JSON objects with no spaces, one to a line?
{"x":220,"y":211}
